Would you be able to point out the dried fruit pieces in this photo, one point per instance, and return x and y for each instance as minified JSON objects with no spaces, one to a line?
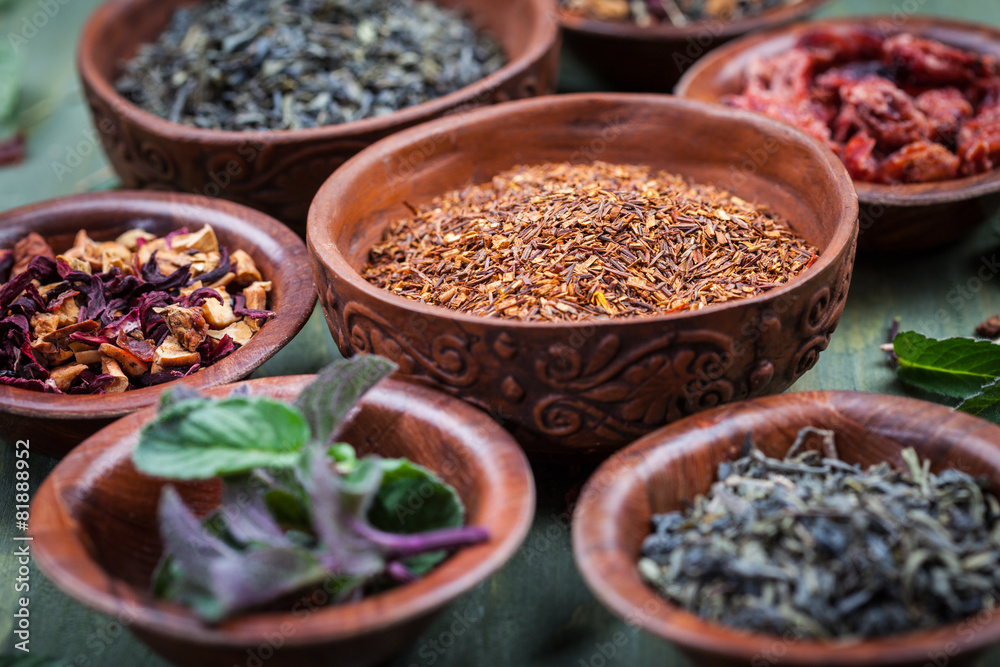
{"x":671,"y":12}
{"x":896,"y":109}
{"x":103,"y":317}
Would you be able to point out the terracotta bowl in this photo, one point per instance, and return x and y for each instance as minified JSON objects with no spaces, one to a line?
{"x":55,"y":423}
{"x":659,"y":472}
{"x":575,"y":387}
{"x":652,"y":59}
{"x":894,"y":218}
{"x":95,"y":534}
{"x":278,"y":172}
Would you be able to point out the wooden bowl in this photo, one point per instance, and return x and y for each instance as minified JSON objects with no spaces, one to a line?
{"x":894,"y":218}
{"x":659,"y":472}
{"x":652,"y":59}
{"x":95,"y":534}
{"x":279,"y":171}
{"x":55,"y":423}
{"x":595,"y":386}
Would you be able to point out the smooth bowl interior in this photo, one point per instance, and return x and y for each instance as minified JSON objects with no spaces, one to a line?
{"x":760,"y":160}
{"x":668,"y":467}
{"x":279,"y":254}
{"x":95,"y":529}
{"x":721,"y":73}
{"x":524,"y":28}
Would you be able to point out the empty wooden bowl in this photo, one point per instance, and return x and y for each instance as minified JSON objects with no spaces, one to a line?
{"x":894,"y":218}
{"x":95,"y":534}
{"x":663,"y":470}
{"x":278,"y":172}
{"x":56,"y":422}
{"x":653,"y":58}
{"x":590,"y":386}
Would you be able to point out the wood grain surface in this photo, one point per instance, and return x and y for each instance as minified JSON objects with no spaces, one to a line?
{"x":536,"y":611}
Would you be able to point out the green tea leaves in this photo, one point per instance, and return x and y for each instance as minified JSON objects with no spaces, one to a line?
{"x":326,"y":401}
{"x":955,"y":367}
{"x":197,"y":439}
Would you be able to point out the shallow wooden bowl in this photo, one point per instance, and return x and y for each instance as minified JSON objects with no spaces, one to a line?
{"x":55,"y":423}
{"x":659,"y":472}
{"x":278,"y":172}
{"x":95,"y":534}
{"x":652,"y":59}
{"x":575,"y":387}
{"x":894,"y":218}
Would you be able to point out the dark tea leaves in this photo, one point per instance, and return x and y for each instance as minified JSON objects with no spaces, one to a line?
{"x":821,"y":549}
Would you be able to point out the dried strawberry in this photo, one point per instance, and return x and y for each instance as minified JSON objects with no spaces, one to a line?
{"x":920,"y":162}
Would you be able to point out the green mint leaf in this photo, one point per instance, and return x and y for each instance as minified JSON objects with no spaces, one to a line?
{"x":336,"y":389}
{"x":413,"y":500}
{"x":985,"y":404}
{"x":955,"y":367}
{"x":197,"y":439}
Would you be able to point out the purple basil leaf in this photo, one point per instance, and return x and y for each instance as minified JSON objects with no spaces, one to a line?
{"x":187,"y":541}
{"x":246,"y":515}
{"x":335,"y":503}
{"x":336,"y":389}
{"x":259,"y":576}
{"x":402,"y":546}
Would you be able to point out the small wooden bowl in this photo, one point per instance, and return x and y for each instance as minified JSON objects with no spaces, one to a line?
{"x":95,"y":534}
{"x":591,"y":386}
{"x":55,"y":423}
{"x":894,"y":218}
{"x":660,"y":471}
{"x":279,"y":171}
{"x":652,"y":59}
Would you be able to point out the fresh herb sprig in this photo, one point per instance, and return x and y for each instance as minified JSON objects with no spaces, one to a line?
{"x":960,"y":371}
{"x":298,"y":509}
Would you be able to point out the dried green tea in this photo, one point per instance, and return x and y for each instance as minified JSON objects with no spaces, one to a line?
{"x":817,"y":548}
{"x":292,"y":64}
{"x":586,"y":241}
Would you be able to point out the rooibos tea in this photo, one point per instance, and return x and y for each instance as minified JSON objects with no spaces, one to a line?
{"x":579,"y":241}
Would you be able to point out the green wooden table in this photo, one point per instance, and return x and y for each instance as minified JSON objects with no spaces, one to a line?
{"x":536,"y":611}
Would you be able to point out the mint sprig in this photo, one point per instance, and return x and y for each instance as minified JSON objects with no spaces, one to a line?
{"x":299,"y":509}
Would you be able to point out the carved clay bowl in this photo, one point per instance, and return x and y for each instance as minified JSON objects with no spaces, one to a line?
{"x":653,"y":58}
{"x":278,"y":172}
{"x":590,"y":387}
{"x":894,"y":218}
{"x":660,"y":472}
{"x":95,"y":535}
{"x":54,"y":424}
